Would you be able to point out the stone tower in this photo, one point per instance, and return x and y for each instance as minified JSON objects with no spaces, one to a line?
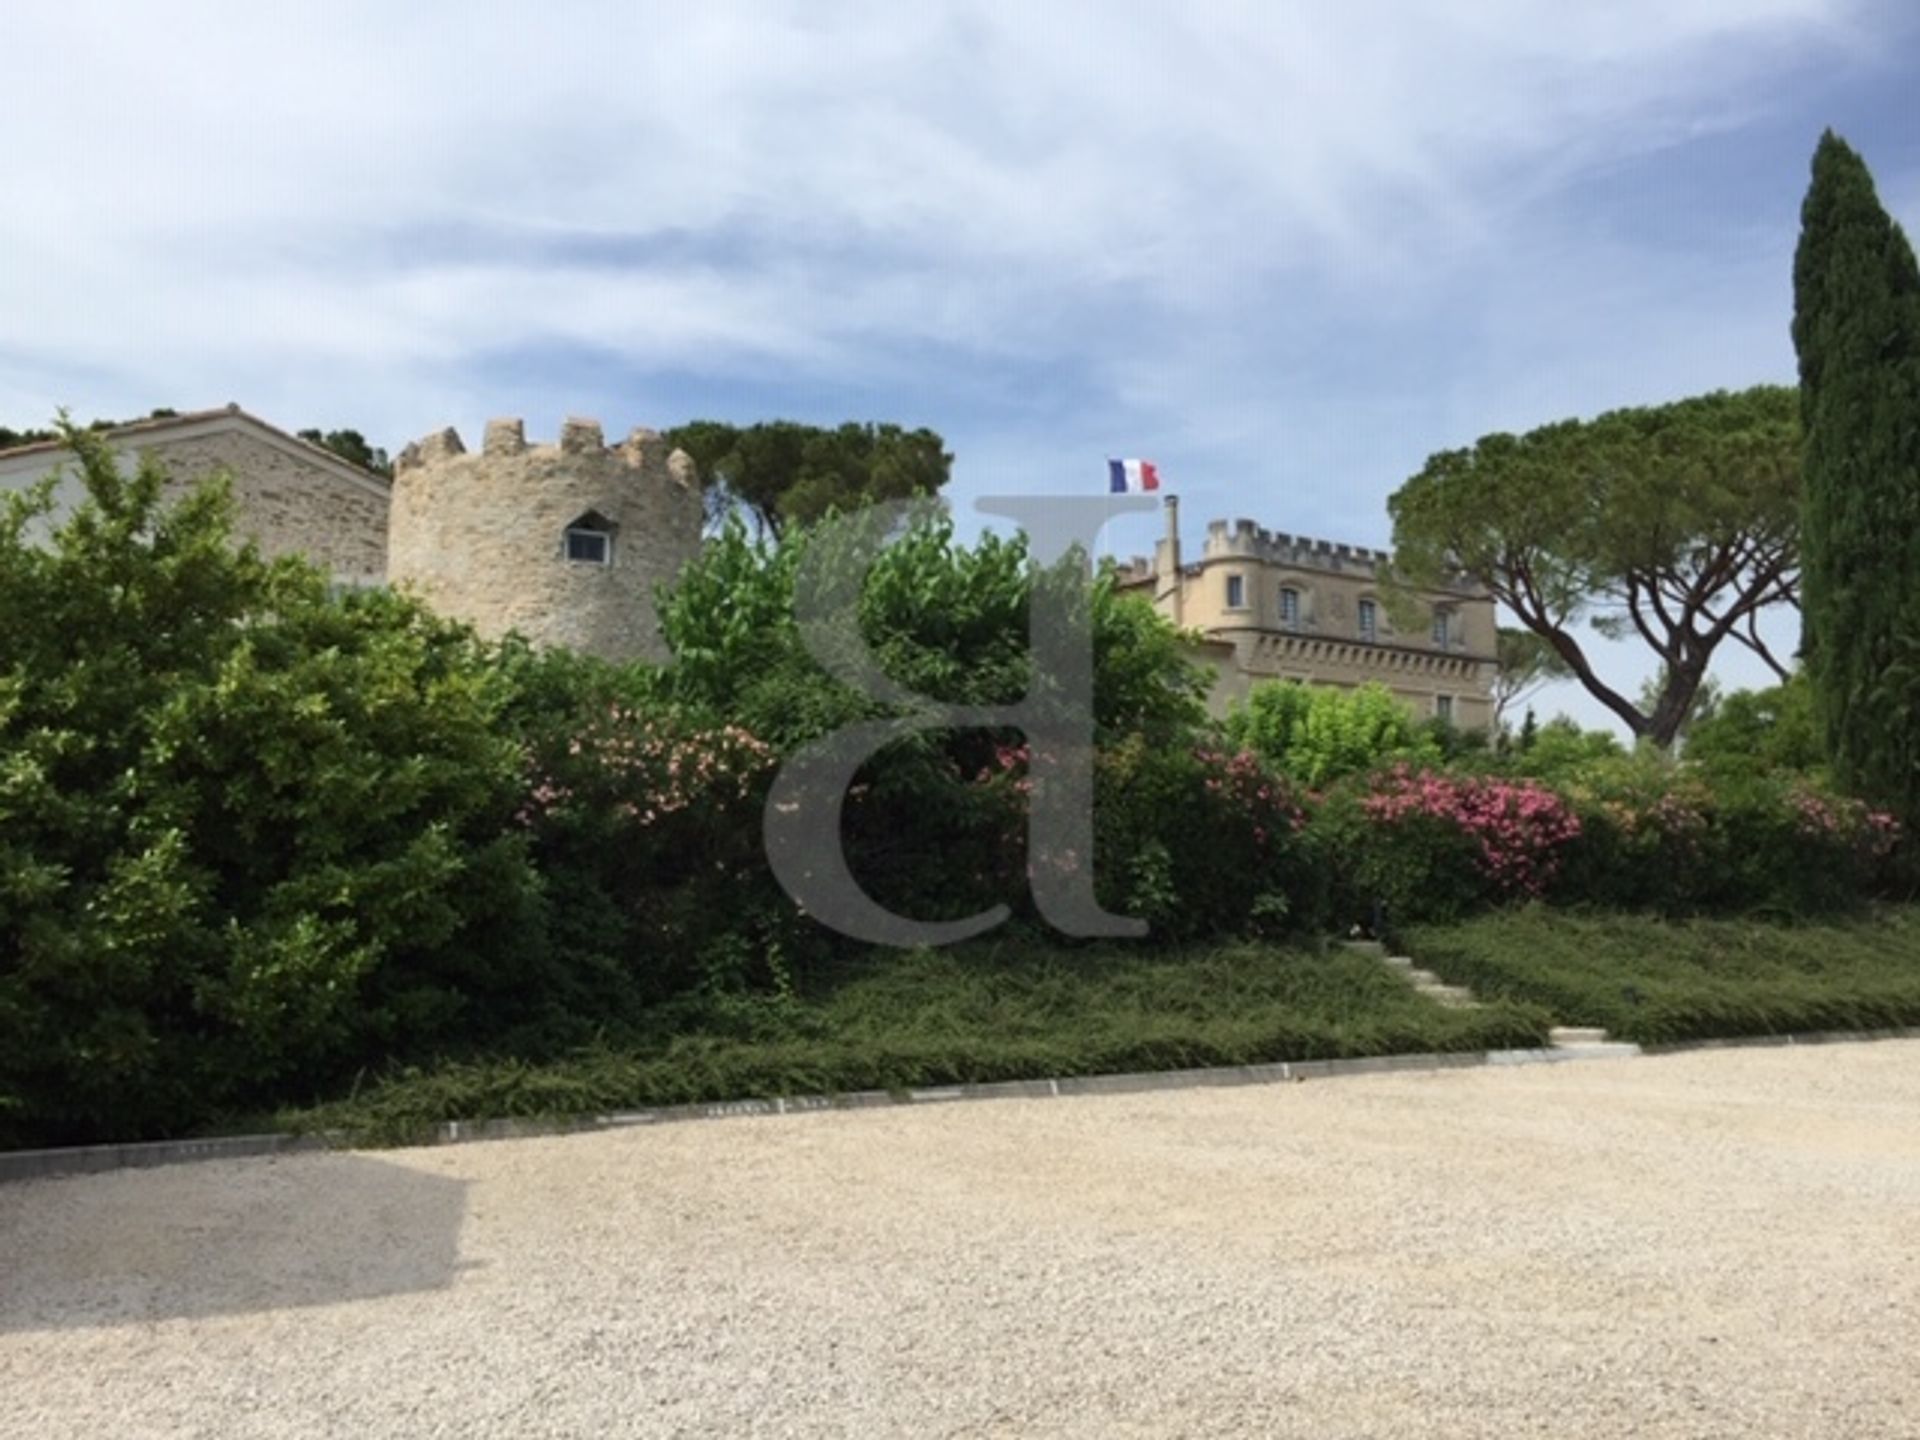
{"x":563,"y":543}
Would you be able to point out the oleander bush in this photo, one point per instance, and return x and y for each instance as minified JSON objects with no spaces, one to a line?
{"x":1431,"y":844}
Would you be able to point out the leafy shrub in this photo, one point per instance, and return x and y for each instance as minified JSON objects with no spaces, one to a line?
{"x":1199,"y":841}
{"x":1560,"y":751}
{"x":1317,"y":734}
{"x":250,"y":835}
{"x":1684,"y":842}
{"x":649,"y":825}
{"x":1760,"y":732}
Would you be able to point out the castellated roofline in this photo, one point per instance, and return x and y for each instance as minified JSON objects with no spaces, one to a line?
{"x":644,"y":448}
{"x":1245,"y":538}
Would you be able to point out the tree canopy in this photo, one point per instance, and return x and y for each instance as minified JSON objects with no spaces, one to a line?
{"x":1856,"y":326}
{"x":350,"y":445}
{"x":1675,"y":524}
{"x":1526,"y":662}
{"x":782,"y":472}
{"x":11,"y":439}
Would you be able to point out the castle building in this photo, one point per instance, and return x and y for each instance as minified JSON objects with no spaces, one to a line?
{"x":564,"y":543}
{"x":1280,"y":607}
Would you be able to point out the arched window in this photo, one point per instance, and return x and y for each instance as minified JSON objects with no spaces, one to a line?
{"x":589,"y":540}
{"x":1289,"y":605}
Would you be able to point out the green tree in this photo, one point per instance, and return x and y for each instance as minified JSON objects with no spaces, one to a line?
{"x":353,"y":446}
{"x":11,"y":439}
{"x":1856,"y":327}
{"x":1526,"y":662}
{"x":943,"y":618}
{"x":780,"y":472}
{"x":1560,"y":750}
{"x":1760,"y":732}
{"x":1676,"y":525}
{"x":1703,"y":707}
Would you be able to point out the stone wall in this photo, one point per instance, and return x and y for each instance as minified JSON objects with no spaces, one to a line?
{"x":289,"y":504}
{"x":482,"y":537}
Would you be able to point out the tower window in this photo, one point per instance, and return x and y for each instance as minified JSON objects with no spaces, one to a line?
{"x":1369,"y":620}
{"x":1443,"y":709}
{"x":1289,"y":606}
{"x":1442,"y":628}
{"x":1236,"y":592}
{"x":589,"y":540}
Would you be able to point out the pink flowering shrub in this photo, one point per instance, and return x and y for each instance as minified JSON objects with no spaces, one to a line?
{"x":644,"y":771}
{"x":1429,"y":844}
{"x":1518,"y":829}
{"x":648,"y":829}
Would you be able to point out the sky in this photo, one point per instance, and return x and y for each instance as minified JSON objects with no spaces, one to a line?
{"x":1286,"y":250}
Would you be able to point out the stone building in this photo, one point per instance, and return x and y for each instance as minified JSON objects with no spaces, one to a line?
{"x":564,"y":543}
{"x":290,"y":497}
{"x":1280,"y":607}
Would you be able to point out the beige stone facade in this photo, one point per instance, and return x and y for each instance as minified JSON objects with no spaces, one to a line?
{"x":290,"y":497}
{"x":565,"y":544}
{"x":1273,"y":606}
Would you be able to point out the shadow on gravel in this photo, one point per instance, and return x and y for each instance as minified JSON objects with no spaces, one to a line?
{"x":222,"y":1238}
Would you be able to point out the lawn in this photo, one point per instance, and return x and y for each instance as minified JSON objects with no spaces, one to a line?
{"x":980,"y":1012}
{"x":1650,"y":980}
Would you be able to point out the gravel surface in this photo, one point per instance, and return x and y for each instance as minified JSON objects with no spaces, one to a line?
{"x":1698,"y":1245}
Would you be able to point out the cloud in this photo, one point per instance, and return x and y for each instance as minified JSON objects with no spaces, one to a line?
{"x":1288,"y":248}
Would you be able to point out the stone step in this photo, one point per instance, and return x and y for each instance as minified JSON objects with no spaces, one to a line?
{"x":1456,"y":995}
{"x":1400,"y":962}
{"x":1577,"y":1035}
{"x":1423,"y":977}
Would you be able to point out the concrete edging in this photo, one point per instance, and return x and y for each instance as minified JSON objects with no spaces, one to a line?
{"x":96,"y":1159}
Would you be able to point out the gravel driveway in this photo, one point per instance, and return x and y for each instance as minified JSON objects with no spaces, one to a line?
{"x":1701,"y":1245}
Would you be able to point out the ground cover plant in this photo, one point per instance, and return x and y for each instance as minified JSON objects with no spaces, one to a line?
{"x":1651,"y":980}
{"x":990,"y":1010}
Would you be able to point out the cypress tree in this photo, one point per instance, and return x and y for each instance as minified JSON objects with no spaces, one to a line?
{"x":1856,"y":328}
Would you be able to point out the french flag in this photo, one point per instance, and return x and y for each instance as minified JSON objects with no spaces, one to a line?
{"x":1132,"y":477}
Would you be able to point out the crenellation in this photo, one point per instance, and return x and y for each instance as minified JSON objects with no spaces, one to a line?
{"x":441,"y":445}
{"x":506,"y":437}
{"x":682,"y":470}
{"x":581,"y":437}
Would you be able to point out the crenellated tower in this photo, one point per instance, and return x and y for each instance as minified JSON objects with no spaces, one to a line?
{"x":565,"y":543}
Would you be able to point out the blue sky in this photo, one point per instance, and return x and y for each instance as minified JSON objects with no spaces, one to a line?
{"x":1287,"y":250}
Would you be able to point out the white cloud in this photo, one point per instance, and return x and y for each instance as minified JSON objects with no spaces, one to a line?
{"x":944,"y":168}
{"x":347,"y":212}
